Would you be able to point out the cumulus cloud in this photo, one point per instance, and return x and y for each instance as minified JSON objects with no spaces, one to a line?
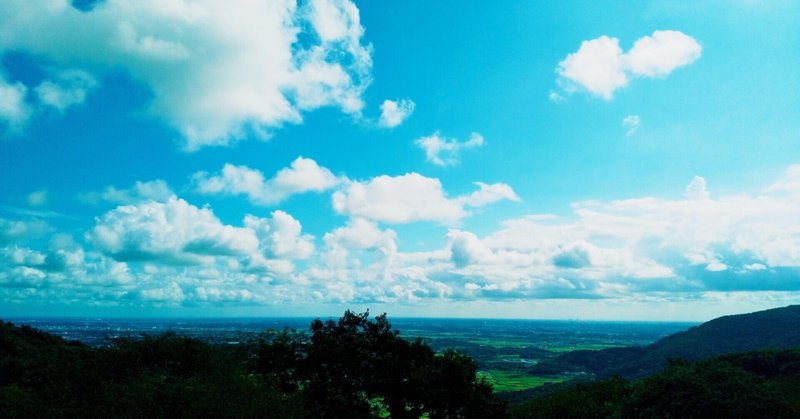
{"x":304,"y":175}
{"x":659,"y":54}
{"x":156,"y":190}
{"x":444,"y":152}
{"x":489,"y":194}
{"x":466,"y":248}
{"x":654,"y":238}
{"x":393,"y":113}
{"x":14,"y":112}
{"x":211,"y":83}
{"x":171,"y":293}
{"x":601,"y":67}
{"x":701,"y":246}
{"x":169,"y":232}
{"x":412,"y":197}
{"x":576,"y":255}
{"x":357,"y":264}
{"x":281,"y":236}
{"x":598,"y":66}
{"x":362,"y":234}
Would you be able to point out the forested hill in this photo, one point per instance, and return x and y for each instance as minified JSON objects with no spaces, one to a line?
{"x":771,"y":329}
{"x":759,"y":384}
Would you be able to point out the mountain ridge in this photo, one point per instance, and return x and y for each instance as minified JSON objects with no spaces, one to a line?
{"x":777,"y":328}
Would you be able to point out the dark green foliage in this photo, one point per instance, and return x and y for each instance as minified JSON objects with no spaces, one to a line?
{"x":163,"y":376}
{"x":716,"y":389}
{"x":450,"y":389}
{"x":360,"y":368}
{"x":747,"y":385}
{"x":351,"y":368}
{"x":279,"y":359}
{"x":601,"y":399}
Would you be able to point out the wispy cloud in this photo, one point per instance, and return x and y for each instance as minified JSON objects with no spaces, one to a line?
{"x":442,"y":151}
{"x":37,"y":198}
{"x":631,"y":123}
{"x":156,"y":190}
{"x":70,"y":88}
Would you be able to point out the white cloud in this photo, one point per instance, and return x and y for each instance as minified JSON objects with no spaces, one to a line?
{"x":634,"y":251}
{"x":357,"y":264}
{"x":659,"y":54}
{"x":304,"y":175}
{"x":170,"y":232}
{"x":156,"y":190}
{"x":69,"y":89}
{"x":281,"y":242}
{"x":400,"y":199}
{"x":362,"y":234}
{"x":444,"y":152}
{"x":281,"y":236}
{"x":598,"y":66}
{"x":393,"y":113}
{"x":13,"y":109}
{"x":734,"y":231}
{"x":696,"y":189}
{"x":601,"y":67}
{"x":37,"y":198}
{"x":172,"y":293}
{"x":466,"y":248}
{"x":489,"y":194}
{"x":631,"y":122}
{"x":211,"y":83}
{"x":789,"y":183}
{"x":15,"y":231}
{"x":411,"y":197}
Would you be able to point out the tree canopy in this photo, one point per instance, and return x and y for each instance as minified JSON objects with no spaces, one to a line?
{"x":361,"y":368}
{"x":354,"y":367}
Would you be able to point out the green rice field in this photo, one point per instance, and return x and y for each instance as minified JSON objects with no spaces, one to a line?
{"x":513,"y":381}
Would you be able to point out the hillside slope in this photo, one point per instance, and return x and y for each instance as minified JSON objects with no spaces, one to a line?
{"x":777,"y":328}
{"x":759,"y":384}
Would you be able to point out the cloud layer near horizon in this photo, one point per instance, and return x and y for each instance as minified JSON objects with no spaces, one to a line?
{"x":169,"y":251}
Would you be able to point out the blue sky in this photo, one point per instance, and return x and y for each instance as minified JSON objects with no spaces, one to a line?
{"x":612,"y":160}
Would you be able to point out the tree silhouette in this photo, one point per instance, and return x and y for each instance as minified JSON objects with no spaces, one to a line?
{"x":361,"y":368}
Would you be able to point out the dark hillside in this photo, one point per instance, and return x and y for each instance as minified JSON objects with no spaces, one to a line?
{"x":771,"y":329}
{"x":760,"y":384}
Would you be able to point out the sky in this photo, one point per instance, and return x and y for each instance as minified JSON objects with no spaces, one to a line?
{"x":607,"y":160}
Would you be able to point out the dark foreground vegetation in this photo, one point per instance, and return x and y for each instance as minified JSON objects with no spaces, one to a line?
{"x":351,"y":368}
{"x":359,"y":367}
{"x":762,"y":384}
